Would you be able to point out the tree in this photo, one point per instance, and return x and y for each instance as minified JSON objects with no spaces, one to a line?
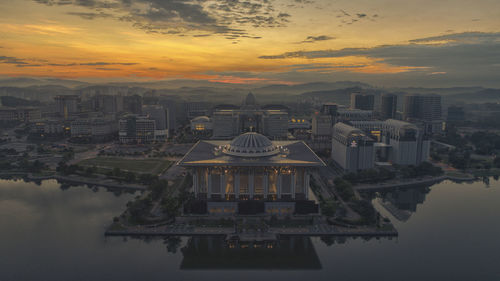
{"x":173,"y":244}
{"x":170,"y":206}
{"x":328,"y":208}
{"x":117,"y":172}
{"x":130,"y":177}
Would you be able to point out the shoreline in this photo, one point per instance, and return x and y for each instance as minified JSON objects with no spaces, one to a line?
{"x":76,"y":180}
{"x":412,"y":183}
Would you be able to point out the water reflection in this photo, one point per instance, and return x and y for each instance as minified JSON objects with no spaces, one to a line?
{"x":50,"y":234}
{"x":297,"y":253}
{"x":401,"y":203}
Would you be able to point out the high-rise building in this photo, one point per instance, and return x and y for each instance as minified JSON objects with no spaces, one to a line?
{"x":66,"y":105}
{"x":425,"y":109}
{"x":330,"y":109}
{"x":422,"y":107}
{"x":136,"y":129}
{"x":170,"y":106}
{"x":388,"y":106}
{"x":157,"y":113}
{"x":132,"y":104}
{"x":352,"y":149}
{"x":107,"y":103}
{"x":362,"y":101}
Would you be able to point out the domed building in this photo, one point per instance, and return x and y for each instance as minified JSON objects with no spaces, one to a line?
{"x":201,"y":124}
{"x":252,"y":175}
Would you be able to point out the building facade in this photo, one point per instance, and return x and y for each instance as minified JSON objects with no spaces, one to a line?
{"x":67,"y":105}
{"x":388,"y":106}
{"x":21,"y":114}
{"x":273,"y":176}
{"x":352,"y":149}
{"x":362,"y":101}
{"x":159,"y":115}
{"x":403,"y":143}
{"x":228,"y":123}
{"x":136,"y":129}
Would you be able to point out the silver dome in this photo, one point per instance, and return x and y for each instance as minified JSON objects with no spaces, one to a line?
{"x":251,"y":145}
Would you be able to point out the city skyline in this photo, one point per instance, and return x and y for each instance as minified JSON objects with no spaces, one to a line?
{"x":390,"y":43}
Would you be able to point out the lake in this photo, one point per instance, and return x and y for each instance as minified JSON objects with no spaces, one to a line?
{"x":449,"y":231}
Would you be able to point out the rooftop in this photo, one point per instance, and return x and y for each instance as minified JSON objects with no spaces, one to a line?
{"x":251,"y":149}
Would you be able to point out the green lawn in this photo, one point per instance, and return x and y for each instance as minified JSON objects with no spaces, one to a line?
{"x":151,"y":166}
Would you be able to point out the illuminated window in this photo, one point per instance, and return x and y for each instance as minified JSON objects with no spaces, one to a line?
{"x":273,"y":182}
{"x":229,"y":183}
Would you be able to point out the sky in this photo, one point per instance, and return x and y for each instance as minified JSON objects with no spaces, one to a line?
{"x":383,"y":42}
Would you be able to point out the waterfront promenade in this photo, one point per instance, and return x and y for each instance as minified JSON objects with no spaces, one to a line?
{"x":311,"y":230}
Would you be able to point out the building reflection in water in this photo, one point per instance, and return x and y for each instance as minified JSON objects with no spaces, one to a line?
{"x":218,"y":253}
{"x":402,"y":202}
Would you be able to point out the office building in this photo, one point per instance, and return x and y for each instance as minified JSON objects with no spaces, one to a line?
{"x":425,"y":110}
{"x":159,"y":115}
{"x":388,"y":106}
{"x":362,"y":101}
{"x":134,"y":129}
{"x":352,"y":149}
{"x":67,"y":105}
{"x":399,"y":142}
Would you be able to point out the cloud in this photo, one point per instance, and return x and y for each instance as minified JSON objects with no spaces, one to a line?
{"x":351,"y":18}
{"x":312,"y":39}
{"x":462,"y":38}
{"x":90,"y":16}
{"x":11,"y":60}
{"x":107,"y":63}
{"x":468,"y":56}
{"x":107,"y":68}
{"x":33,"y":62}
{"x":184,"y":17}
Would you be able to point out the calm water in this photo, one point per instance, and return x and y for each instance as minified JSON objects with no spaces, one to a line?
{"x":447,"y":232}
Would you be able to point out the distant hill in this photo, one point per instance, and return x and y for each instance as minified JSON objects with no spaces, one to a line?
{"x":17,"y":102}
{"x":27,"y":82}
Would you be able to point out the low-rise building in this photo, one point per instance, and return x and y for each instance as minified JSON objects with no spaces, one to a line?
{"x":96,"y":129}
{"x":19,"y":114}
